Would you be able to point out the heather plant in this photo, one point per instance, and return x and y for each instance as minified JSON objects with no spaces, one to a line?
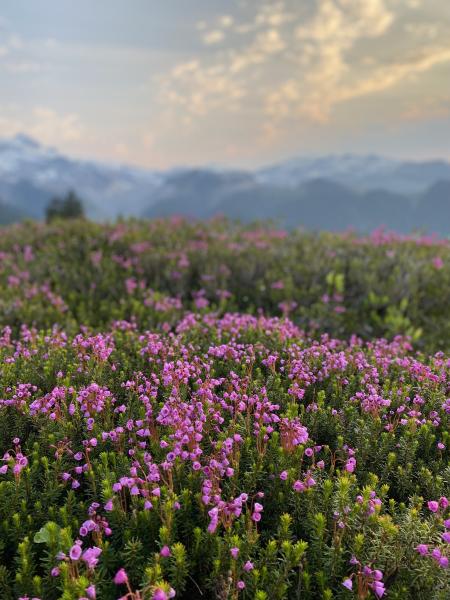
{"x":77,"y":272}
{"x":223,"y":456}
{"x":215,"y":411}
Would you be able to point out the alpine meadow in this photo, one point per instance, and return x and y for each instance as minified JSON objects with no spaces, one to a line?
{"x":225,"y":300}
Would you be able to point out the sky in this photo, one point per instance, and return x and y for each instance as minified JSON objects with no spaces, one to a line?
{"x":161,"y":83}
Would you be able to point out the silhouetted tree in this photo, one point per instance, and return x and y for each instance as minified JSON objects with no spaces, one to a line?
{"x":68,"y":207}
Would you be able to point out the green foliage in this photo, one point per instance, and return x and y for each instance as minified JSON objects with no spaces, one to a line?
{"x":135,"y":400}
{"x":68,"y":207}
{"x":73,"y":272}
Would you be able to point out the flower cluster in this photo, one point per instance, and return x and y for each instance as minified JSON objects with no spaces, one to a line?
{"x":91,"y":275}
{"x":234,"y":443}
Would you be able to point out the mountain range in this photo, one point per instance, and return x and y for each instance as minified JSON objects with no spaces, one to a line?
{"x":31,"y":174}
{"x":334,"y":192}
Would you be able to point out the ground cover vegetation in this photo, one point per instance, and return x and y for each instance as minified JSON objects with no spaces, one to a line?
{"x":214,"y":411}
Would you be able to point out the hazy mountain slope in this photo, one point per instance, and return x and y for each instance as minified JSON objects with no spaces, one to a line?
{"x":347,"y":169}
{"x":433,"y":210}
{"x":258,"y":202}
{"x":24,"y":196}
{"x":329,"y":192}
{"x":360,"y":172}
{"x":196,"y":193}
{"x":316,"y":204}
{"x":9,"y":214}
{"x":108,"y":190}
{"x":324,"y":204}
{"x":383,"y":208}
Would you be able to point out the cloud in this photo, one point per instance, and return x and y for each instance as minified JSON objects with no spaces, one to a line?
{"x":50,"y":43}
{"x":423,"y":30}
{"x":121,"y":150}
{"x":51,"y":127}
{"x":269,"y":42}
{"x":201,"y":25}
{"x":9,"y":126}
{"x":4,"y":24}
{"x":200,"y":86}
{"x":428,"y":108}
{"x":273,"y":14}
{"x":226,"y":21}
{"x":15,"y":42}
{"x":198,"y":89}
{"x":213,"y":37}
{"x":292,"y":64}
{"x":333,"y":75}
{"x":341,"y":23}
{"x":268,"y":14}
{"x":15,"y":55}
{"x":325,"y":41}
{"x":23,"y":67}
{"x":387,"y":77}
{"x":42,"y":123}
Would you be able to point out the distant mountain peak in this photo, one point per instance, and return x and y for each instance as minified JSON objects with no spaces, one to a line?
{"x":318,"y":192}
{"x":26,"y":140}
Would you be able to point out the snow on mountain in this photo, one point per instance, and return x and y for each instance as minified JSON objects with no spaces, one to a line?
{"x":360,"y":172}
{"x":107,"y":189}
{"x":377,"y":187}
